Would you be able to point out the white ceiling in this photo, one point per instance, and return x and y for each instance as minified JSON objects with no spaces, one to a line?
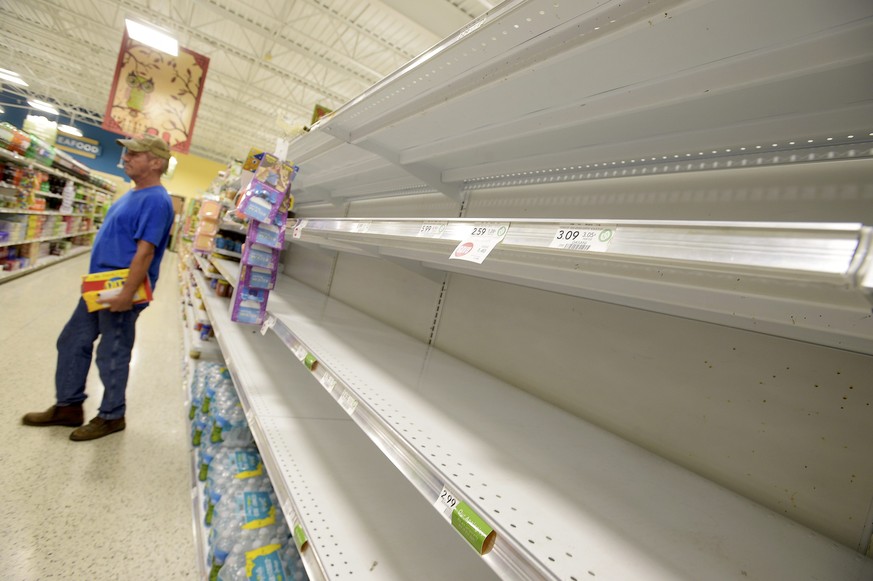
{"x":271,"y":61}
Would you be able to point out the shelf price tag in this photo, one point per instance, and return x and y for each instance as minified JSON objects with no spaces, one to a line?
{"x":583,"y":237}
{"x":481,"y":240}
{"x":361,"y":227}
{"x":297,"y":232}
{"x":446,"y":503}
{"x":465,"y":520}
{"x":431,"y":230}
{"x":300,"y":537}
{"x":268,"y":324}
{"x":475,"y":530}
{"x":348,"y":402}
{"x":299,"y":351}
{"x":328,"y":381}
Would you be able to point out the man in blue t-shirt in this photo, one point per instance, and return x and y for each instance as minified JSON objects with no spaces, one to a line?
{"x":134,"y":235}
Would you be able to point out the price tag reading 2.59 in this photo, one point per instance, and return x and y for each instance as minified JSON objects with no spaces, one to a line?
{"x":481,"y":240}
{"x":583,"y":237}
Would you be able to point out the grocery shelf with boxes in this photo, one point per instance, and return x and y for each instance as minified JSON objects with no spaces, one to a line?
{"x":51,"y":206}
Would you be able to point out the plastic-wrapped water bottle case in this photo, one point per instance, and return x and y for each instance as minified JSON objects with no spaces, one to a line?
{"x":248,"y":537}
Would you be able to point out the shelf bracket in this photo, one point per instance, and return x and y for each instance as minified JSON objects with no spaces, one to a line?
{"x":326,"y":195}
{"x":427,"y":174}
{"x":417,"y":267}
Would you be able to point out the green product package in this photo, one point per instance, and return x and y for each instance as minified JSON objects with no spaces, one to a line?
{"x":299,"y":537}
{"x":473,"y":528}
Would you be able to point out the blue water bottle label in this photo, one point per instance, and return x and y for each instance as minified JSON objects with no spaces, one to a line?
{"x":248,"y":464}
{"x":259,"y":510}
{"x":264,"y":564}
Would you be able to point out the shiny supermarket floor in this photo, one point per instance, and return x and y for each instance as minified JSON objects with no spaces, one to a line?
{"x":114,"y":508}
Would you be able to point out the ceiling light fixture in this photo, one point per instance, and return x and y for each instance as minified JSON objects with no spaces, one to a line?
{"x":152,"y":37}
{"x":70,"y":130}
{"x":12,"y":77}
{"x":42,"y":106}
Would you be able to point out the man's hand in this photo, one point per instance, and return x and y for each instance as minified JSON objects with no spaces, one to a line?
{"x":139,"y":268}
{"x":119,"y":303}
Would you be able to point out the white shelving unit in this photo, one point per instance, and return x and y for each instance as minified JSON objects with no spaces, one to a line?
{"x":717,"y":342}
{"x":536,"y":91}
{"x":229,"y":269}
{"x":42,"y":263}
{"x":359,"y":516}
{"x":549,"y":483}
{"x":755,"y":275}
{"x":93,"y":199}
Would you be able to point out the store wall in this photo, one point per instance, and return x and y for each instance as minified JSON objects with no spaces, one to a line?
{"x":192,"y":176}
{"x":784,"y":423}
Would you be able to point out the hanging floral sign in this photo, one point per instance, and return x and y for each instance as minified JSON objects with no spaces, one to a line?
{"x":156,"y":93}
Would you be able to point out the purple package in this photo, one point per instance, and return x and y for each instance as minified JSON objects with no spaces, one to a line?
{"x":249,"y":306}
{"x":259,"y":255}
{"x":254,"y":277}
{"x":266,"y":234}
{"x":260,"y":202}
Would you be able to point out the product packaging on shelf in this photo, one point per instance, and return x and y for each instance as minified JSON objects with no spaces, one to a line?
{"x":266,"y":234}
{"x":260,"y":256}
{"x":248,"y":305}
{"x":260,"y":202}
{"x":247,"y":534}
{"x":266,"y":200}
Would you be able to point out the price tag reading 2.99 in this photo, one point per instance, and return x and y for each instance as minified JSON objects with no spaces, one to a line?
{"x":446,"y":502}
{"x":583,"y":237}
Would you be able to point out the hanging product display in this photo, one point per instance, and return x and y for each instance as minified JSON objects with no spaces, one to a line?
{"x":265,"y":199}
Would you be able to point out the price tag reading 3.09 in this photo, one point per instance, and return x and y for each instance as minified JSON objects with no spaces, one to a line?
{"x":583,"y":237}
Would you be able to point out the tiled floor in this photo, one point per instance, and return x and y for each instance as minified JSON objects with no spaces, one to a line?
{"x":114,"y":508}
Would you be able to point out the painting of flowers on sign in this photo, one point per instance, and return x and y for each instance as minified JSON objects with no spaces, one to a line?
{"x":156,"y":93}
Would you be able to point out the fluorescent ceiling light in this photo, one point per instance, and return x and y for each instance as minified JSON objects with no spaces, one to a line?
{"x":70,"y":130}
{"x":42,"y":106}
{"x":152,"y":37}
{"x":12,"y":77}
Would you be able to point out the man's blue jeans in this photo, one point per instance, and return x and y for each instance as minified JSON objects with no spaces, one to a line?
{"x":75,"y":349}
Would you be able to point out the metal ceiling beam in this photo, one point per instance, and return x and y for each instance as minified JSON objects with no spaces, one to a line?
{"x":168,"y":23}
{"x":301,"y":44}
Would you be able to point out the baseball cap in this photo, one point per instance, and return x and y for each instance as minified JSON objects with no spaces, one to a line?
{"x":151,"y":143}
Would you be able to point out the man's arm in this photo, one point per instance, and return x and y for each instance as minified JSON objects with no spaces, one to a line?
{"x":139,"y":270}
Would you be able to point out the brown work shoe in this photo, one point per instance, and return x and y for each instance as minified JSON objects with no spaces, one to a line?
{"x":97,"y":428}
{"x":57,"y":415}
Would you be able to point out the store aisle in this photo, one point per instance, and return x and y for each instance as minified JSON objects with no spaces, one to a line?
{"x":114,"y":508}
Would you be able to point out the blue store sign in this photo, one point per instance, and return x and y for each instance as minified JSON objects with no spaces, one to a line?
{"x":83,"y":146}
